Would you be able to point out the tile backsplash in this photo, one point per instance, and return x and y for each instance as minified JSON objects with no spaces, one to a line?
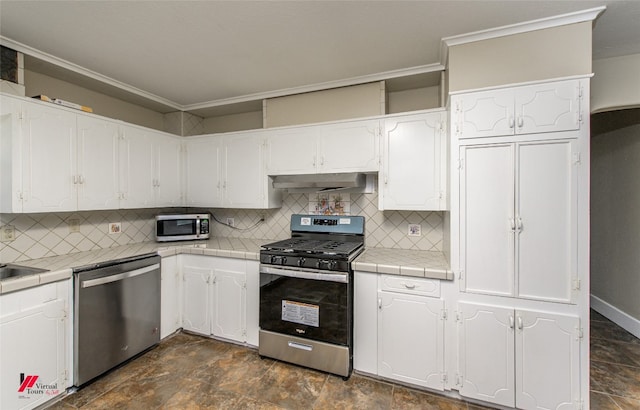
{"x":52,"y":234}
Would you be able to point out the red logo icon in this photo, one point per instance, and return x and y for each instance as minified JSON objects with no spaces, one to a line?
{"x":26,"y":383}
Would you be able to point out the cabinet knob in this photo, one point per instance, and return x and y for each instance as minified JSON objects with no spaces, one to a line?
{"x":380,"y":303}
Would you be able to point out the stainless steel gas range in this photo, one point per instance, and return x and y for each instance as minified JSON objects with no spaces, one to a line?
{"x":306,"y":293}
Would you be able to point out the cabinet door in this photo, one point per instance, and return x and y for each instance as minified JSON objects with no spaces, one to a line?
{"x":292,"y":151}
{"x":170,"y":292}
{"x":196,"y":296}
{"x":411,"y":339}
{"x":546,"y":213}
{"x":547,"y":361}
{"x":49,"y":174}
{"x":349,"y":147}
{"x":168,"y":171}
{"x":365,"y":322}
{"x":486,"y":353}
{"x":243,"y":179}
{"x":412,"y":164}
{"x":228,"y":303}
{"x":483,"y":114}
{"x":32,"y":349}
{"x":548,"y":107}
{"x":10,"y":155}
{"x":203,"y":182}
{"x":98,"y":164}
{"x":487,"y":222}
{"x":138,"y":169}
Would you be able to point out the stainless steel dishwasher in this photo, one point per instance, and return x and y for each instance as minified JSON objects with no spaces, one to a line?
{"x":117,"y":313}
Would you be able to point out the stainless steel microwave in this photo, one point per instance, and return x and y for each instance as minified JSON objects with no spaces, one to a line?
{"x":182,"y":227}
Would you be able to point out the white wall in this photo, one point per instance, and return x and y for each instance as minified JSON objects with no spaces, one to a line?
{"x":537,"y":55}
{"x":328,"y":105}
{"x":101,"y":104}
{"x":615,"y":211}
{"x":616,"y":83}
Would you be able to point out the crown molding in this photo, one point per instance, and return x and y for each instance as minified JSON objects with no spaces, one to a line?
{"x":518,"y":28}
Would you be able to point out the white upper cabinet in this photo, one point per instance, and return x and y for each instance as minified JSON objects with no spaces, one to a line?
{"x":54,"y":160}
{"x":347,"y":146}
{"x":168,"y":171}
{"x":352,"y":146}
{"x":49,"y":168}
{"x":549,"y":107}
{"x":228,"y":171}
{"x":414,"y":163}
{"x":202,"y":168}
{"x":245,"y":184}
{"x":518,"y":219}
{"x":98,"y":163}
{"x":292,"y":151}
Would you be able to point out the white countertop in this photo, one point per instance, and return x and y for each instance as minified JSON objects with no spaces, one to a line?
{"x":427,"y":264}
{"x":61,"y":267}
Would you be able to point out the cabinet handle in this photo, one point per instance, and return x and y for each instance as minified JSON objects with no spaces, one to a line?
{"x":75,"y":179}
{"x":511,"y":322}
{"x":314,"y":161}
{"x":520,"y":323}
{"x":409,"y":285}
{"x":81,"y":179}
{"x":519,"y":224}
{"x":380,"y":303}
{"x":520,"y":121}
{"x":322,"y":160}
{"x":511,"y":122}
{"x":512,"y":222}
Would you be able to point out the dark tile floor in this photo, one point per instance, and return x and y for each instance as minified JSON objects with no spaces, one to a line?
{"x":192,"y":372}
{"x":615,"y":366}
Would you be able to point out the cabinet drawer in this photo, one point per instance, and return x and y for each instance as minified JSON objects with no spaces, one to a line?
{"x":410,"y":285}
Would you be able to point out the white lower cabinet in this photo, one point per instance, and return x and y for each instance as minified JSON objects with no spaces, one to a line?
{"x":214,"y":296}
{"x":170,"y":294}
{"x":399,"y":334}
{"x":34,"y":328}
{"x":519,"y":358}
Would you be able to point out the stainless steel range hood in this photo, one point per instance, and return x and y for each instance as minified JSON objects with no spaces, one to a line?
{"x":350,"y":182}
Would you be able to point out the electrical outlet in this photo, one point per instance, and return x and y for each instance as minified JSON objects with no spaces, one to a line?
{"x":414,"y":230}
{"x":115,"y":227}
{"x":74,"y":225}
{"x":8,"y":233}
{"x":231,"y":222}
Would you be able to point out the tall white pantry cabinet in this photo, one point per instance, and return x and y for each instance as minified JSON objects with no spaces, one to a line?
{"x":520,"y":244}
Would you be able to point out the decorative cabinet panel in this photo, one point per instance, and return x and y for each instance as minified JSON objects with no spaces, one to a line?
{"x":348,"y":146}
{"x":34,"y":325}
{"x":411,"y":339}
{"x":549,"y":107}
{"x":214,"y":296}
{"x":168,"y":173}
{"x":399,"y":334}
{"x":519,"y":358}
{"x":98,"y":176}
{"x":518,"y":219}
{"x":414,"y":163}
{"x":202,"y":168}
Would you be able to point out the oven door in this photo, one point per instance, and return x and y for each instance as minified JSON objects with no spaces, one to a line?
{"x":306,"y":303}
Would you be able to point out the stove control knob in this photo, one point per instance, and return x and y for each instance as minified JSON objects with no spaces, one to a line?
{"x":283,"y":260}
{"x":333,"y":265}
{"x":301,"y":262}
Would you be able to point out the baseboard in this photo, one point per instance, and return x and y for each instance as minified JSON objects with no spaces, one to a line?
{"x":617,"y":316}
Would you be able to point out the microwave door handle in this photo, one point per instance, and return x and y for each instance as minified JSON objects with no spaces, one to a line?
{"x":197,"y":227}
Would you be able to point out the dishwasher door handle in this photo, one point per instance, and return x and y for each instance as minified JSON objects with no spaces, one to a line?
{"x":120,"y":276}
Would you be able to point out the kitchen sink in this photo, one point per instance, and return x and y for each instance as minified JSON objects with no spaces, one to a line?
{"x":13,"y":271}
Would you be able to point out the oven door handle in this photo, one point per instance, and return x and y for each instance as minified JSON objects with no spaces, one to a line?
{"x":305,"y":274}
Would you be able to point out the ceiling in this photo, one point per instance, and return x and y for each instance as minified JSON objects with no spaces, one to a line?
{"x":191,"y":55}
